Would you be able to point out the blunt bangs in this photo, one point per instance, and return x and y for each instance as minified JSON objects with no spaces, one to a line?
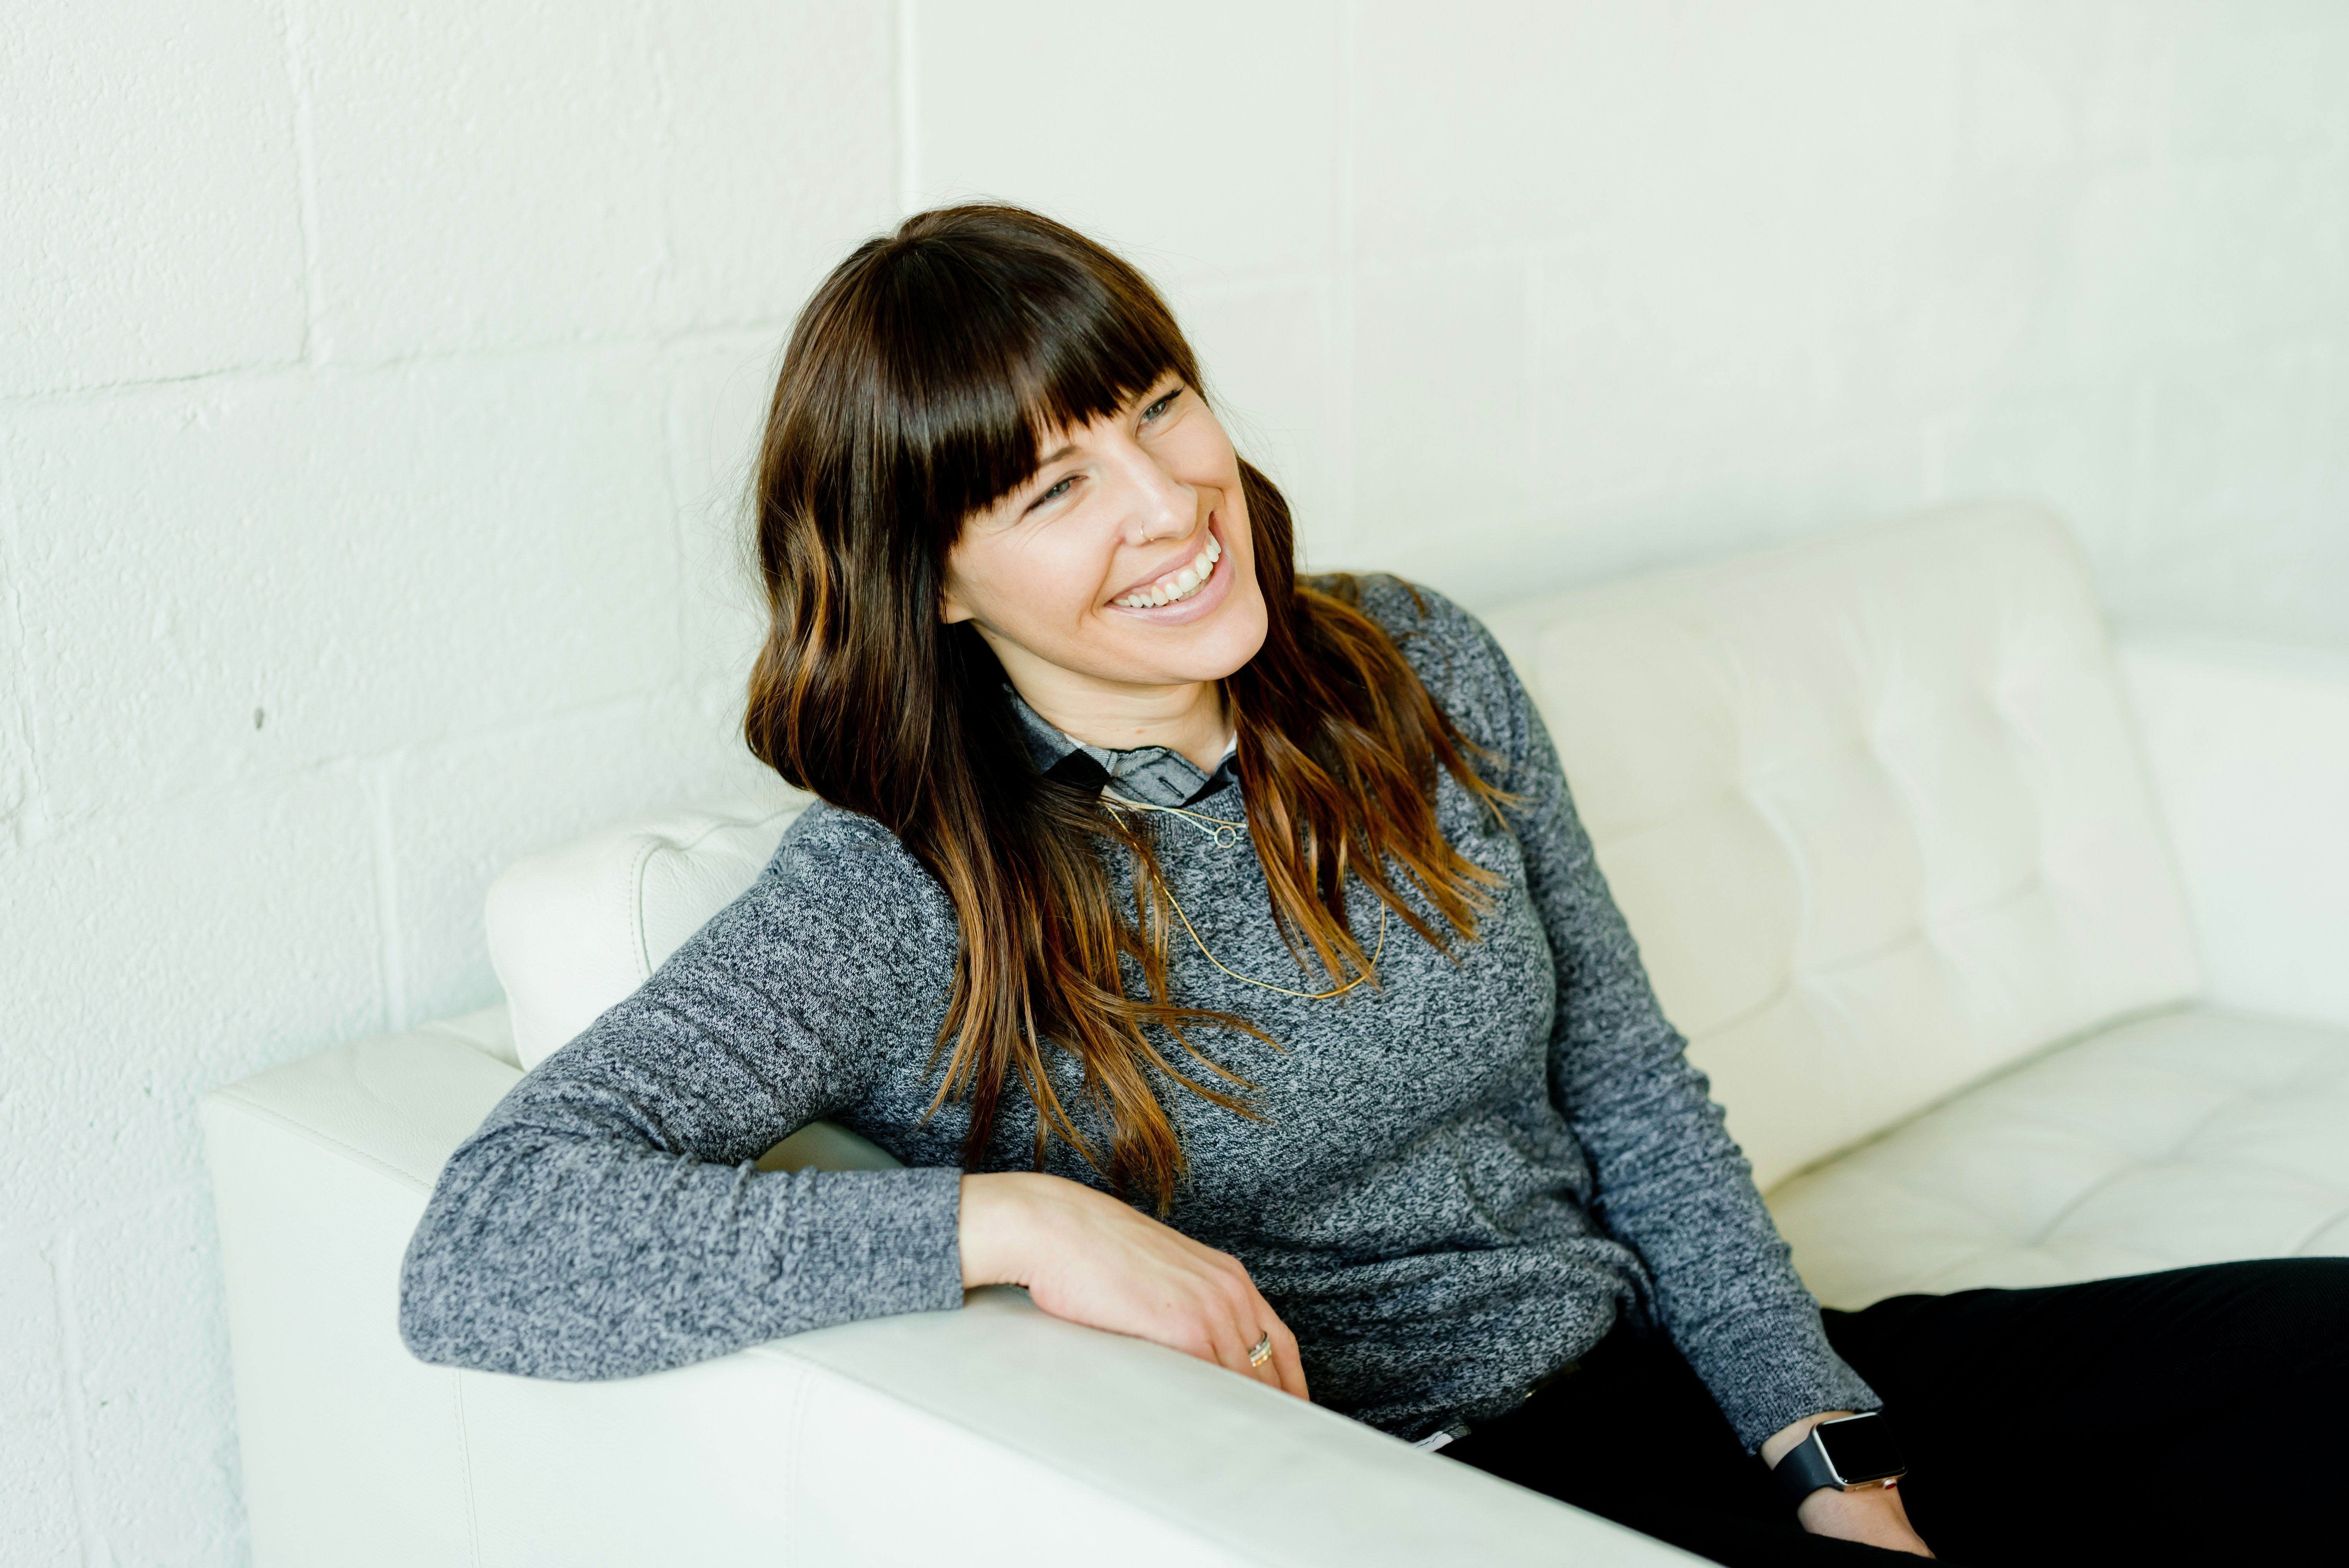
{"x":994,"y":337}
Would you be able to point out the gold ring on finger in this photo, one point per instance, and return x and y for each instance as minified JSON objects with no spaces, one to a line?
{"x":1263,"y":1351}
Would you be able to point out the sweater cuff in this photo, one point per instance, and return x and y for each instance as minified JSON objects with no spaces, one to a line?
{"x":868,"y":1243}
{"x":1769,"y":1368}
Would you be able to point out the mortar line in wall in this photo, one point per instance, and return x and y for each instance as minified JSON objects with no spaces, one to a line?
{"x":2316,"y":418}
{"x":263,"y":370}
{"x":17,"y":717}
{"x":1529,"y":303}
{"x":671,"y":483}
{"x":305,"y":174}
{"x":391,"y":960}
{"x":1338,"y":451}
{"x":69,"y":1354}
{"x":665,"y":101}
{"x":908,"y":122}
{"x":2332,"y":411}
{"x":127,"y":1207}
{"x":521,"y":728}
{"x":98,"y":392}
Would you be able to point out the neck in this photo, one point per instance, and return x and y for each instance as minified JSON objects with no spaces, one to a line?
{"x":1187,"y":719}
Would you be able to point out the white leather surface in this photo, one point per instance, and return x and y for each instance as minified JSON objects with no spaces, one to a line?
{"x":489,"y":1031}
{"x":2191,"y":1137}
{"x":580,"y":927}
{"x":1873,"y":809}
{"x":2249,"y":749}
{"x":992,"y":1435}
{"x":353,"y":1450}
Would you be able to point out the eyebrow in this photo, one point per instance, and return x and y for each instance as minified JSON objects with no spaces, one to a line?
{"x":1048,"y":458}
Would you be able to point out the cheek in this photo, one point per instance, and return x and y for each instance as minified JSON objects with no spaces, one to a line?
{"x":1046,"y":585}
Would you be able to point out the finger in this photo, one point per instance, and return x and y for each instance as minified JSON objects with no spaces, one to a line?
{"x":1232,"y":1320}
{"x":1249,"y":1325}
{"x":1260,"y":1325}
{"x":1287,"y":1365}
{"x":1228,"y":1333}
{"x":1289,"y":1361}
{"x":1267,"y":1371}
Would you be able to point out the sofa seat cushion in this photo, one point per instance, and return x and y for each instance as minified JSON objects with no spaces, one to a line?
{"x":2189,"y":1136}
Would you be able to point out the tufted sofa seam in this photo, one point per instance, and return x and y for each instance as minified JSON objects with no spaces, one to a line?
{"x":1966,"y":1090}
{"x":2078,"y":1200}
{"x":2330,"y":1220}
{"x":2031,"y":1117}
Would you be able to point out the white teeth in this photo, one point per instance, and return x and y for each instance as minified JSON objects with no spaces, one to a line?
{"x":1182,"y":585}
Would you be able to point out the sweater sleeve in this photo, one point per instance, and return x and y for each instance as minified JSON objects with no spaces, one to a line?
{"x":1671,"y":1182}
{"x":607,"y":1219}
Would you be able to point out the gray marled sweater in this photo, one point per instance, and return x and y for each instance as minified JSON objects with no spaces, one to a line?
{"x":1460,"y":1180}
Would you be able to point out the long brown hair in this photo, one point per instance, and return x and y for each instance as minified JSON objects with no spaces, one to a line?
{"x":914,"y":391}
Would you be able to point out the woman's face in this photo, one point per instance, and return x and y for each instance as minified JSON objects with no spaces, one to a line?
{"x":1125,"y":562}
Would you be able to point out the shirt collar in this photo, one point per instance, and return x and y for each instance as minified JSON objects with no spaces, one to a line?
{"x":1154,"y":775}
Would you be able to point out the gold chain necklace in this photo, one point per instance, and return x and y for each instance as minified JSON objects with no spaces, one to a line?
{"x":1225,"y":835}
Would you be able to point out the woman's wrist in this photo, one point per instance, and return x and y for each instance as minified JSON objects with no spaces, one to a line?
{"x":1873,"y":1515}
{"x":996,"y":1227}
{"x":1789,"y":1437}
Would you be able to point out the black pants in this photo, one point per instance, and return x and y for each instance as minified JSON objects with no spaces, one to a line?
{"x":2197,"y":1416}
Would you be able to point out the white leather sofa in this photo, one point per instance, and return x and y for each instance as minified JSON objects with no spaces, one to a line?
{"x":2013,"y":961}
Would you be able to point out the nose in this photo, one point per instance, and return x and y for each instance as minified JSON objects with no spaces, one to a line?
{"x":1157,"y":505}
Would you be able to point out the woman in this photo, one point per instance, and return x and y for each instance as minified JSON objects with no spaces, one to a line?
{"x":1221,"y":953}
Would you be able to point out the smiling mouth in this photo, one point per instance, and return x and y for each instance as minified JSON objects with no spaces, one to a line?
{"x":1180,"y":584}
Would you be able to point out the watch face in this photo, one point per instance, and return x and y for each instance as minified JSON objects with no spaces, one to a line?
{"x":1861,"y":1448}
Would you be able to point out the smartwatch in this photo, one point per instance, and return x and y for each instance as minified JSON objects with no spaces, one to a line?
{"x":1848,"y":1454}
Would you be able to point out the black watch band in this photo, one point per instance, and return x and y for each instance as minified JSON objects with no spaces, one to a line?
{"x":1805,"y":1471}
{"x":1858,"y":1454}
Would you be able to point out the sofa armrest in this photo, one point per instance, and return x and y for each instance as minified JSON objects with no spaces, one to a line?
{"x":994,"y":1433}
{"x":2249,"y":747}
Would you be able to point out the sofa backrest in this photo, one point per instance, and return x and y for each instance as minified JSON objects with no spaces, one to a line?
{"x":578,"y":928}
{"x":1873,"y":808}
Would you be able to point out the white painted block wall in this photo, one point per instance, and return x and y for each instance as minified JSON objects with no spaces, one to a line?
{"x":375,"y":383}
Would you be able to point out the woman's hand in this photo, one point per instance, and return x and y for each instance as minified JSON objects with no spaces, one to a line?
{"x":1088,"y":1257}
{"x":1873,"y":1517}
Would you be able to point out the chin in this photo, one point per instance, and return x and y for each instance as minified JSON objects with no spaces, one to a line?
{"x":1231,"y":640}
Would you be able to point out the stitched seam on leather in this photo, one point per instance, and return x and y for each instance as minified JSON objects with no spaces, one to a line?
{"x":2134,"y":1165}
{"x":465,"y":1470}
{"x":633,"y":891}
{"x":2237,"y":1098}
{"x":324,"y":1139}
{"x":695,"y":842}
{"x":2185,"y":1006}
{"x":632,"y":888}
{"x":2330,"y":1220}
